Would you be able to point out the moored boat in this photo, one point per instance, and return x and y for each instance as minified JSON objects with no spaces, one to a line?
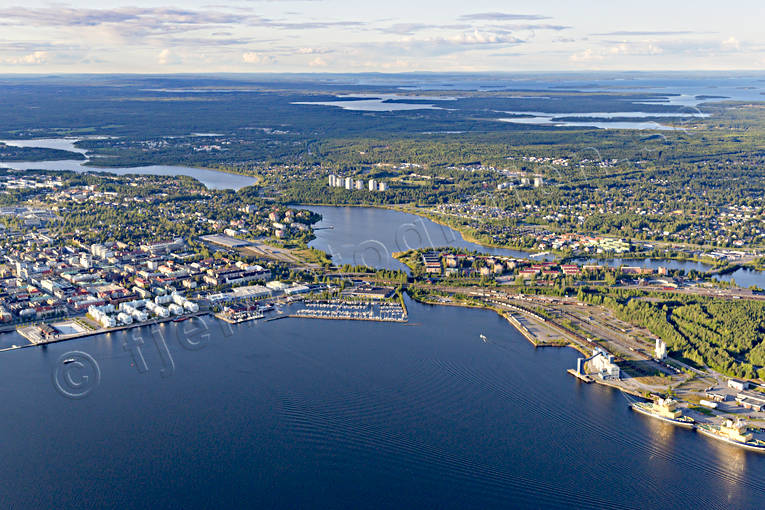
{"x":664,"y":409}
{"x":733,"y":432}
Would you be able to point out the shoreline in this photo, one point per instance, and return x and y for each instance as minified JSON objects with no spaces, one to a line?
{"x":560,"y":257}
{"x":101,"y":331}
{"x":508,"y":316}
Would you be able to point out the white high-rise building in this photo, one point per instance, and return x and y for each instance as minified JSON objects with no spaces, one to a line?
{"x":348,"y":183}
{"x":382,"y":186}
{"x":359,"y":184}
{"x":538,"y":182}
{"x":372,"y":185}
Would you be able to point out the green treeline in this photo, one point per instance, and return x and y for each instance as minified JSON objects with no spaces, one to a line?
{"x":726,"y":336}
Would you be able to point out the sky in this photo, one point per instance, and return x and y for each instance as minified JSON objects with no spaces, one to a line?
{"x":169,"y":36}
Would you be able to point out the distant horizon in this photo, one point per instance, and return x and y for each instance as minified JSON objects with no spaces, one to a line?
{"x":340,"y":36}
{"x":389,"y":73}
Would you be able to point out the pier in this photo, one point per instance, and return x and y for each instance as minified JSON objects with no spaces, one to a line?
{"x":582,"y":377}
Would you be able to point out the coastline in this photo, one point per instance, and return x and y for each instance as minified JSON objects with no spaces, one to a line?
{"x":530,"y":336}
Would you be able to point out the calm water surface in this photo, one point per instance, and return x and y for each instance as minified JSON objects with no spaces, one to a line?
{"x":745,"y":277}
{"x":369,"y":236}
{"x":336,"y":414}
{"x":210,"y":178}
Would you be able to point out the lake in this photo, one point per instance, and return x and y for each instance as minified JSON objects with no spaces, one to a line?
{"x":379,"y":102}
{"x":601,"y":120}
{"x":370,"y":235}
{"x":339,"y":414}
{"x":744,"y":277}
{"x":212,"y":179}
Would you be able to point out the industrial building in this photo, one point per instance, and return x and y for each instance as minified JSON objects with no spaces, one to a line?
{"x":603,"y":364}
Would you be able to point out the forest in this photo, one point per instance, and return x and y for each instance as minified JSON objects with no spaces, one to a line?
{"x":725,"y":335}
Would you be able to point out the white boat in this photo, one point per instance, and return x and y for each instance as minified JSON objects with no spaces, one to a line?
{"x":664,"y":409}
{"x":733,"y":432}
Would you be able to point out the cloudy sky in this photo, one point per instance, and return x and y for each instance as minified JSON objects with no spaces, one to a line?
{"x":386,"y":36}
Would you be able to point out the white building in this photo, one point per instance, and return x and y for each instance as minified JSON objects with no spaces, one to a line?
{"x":738,"y":385}
{"x":372,"y":185}
{"x":86,"y":261}
{"x":348,"y":183}
{"x":661,"y":349}
{"x":100,"y":251}
{"x":124,"y":318}
{"x":276,"y":285}
{"x":297,"y":289}
{"x":604,"y":365}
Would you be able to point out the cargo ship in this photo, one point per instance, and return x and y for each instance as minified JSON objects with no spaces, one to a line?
{"x":664,"y":409}
{"x":733,"y":432}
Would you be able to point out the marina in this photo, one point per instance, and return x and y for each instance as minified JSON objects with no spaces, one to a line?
{"x":236,"y":314}
{"x":343,"y":310}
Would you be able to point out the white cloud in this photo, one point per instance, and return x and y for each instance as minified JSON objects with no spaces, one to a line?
{"x":164,"y":57}
{"x":34,"y":58}
{"x":312,"y":51}
{"x":620,"y":49}
{"x":731,"y":44}
{"x":232,"y":37}
{"x":586,"y":56}
{"x":477,"y":37}
{"x":645,"y":48}
{"x":252,"y":57}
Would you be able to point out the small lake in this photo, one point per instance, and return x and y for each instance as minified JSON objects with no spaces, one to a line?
{"x":744,"y":277}
{"x":369,"y":236}
{"x":378,"y":103}
{"x":212,"y":179}
{"x":601,"y":120}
